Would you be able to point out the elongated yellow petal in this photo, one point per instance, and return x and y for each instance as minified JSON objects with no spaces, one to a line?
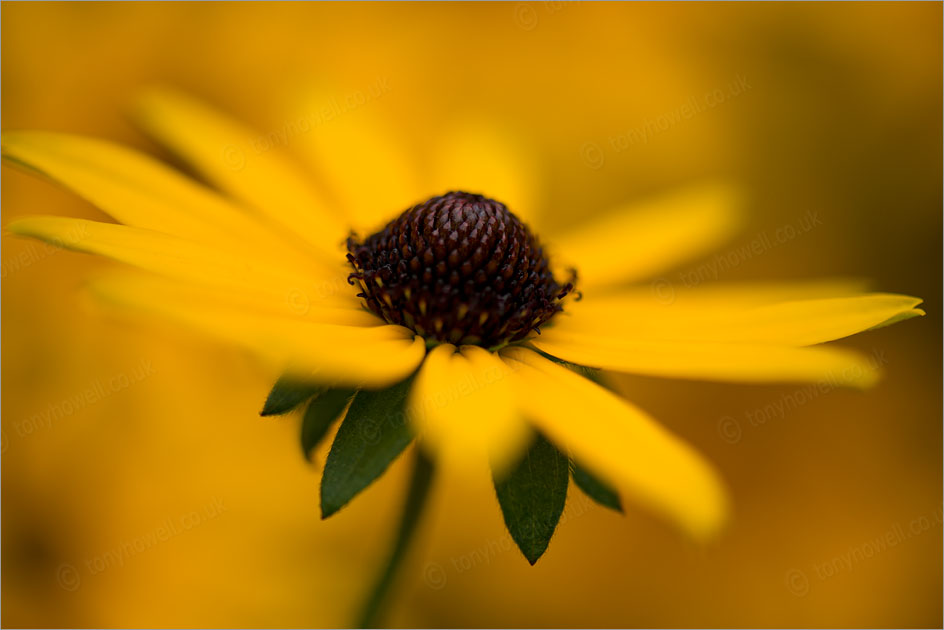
{"x":809,"y":322}
{"x":739,"y":363}
{"x":462,"y":405}
{"x":477,"y":157}
{"x":244,"y":163}
{"x":334,"y":354}
{"x":361,"y":157}
{"x":160,"y":253}
{"x":141,"y":192}
{"x":620,"y":443}
{"x":147,"y":290}
{"x":793,"y":323}
{"x":639,"y":241}
{"x":674,"y":293}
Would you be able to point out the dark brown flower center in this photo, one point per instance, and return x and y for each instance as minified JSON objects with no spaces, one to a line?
{"x":459,"y":268}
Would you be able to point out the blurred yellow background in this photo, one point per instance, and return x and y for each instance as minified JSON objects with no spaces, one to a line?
{"x":141,"y":488}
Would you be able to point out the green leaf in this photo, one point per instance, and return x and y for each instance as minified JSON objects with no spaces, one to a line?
{"x":371,"y":436}
{"x":532,"y":497}
{"x":599,"y":491}
{"x":594,"y":375}
{"x":590,"y":373}
{"x":286,"y":394}
{"x":321,"y":412}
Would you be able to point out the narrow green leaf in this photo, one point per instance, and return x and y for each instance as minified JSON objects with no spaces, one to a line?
{"x":598,"y":490}
{"x":371,"y":436}
{"x":532,"y":498}
{"x":590,"y":373}
{"x":286,"y":394}
{"x":321,"y":412}
{"x":595,"y":375}
{"x":594,"y":488}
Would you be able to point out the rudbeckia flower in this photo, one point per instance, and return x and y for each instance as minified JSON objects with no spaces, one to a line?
{"x":433,"y":305}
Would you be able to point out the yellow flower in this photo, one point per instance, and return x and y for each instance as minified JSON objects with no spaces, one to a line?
{"x":262,"y":264}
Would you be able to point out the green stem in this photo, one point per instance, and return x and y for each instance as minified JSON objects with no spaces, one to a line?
{"x":415,"y":502}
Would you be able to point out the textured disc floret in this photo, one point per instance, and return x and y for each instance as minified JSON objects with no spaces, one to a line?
{"x":459,"y":268}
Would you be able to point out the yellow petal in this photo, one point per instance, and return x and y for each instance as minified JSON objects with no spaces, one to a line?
{"x":147,"y":289}
{"x":462,"y":406}
{"x":348,"y":355}
{"x":477,"y":157}
{"x":793,"y":323}
{"x":639,"y":241}
{"x":620,"y":443}
{"x":141,"y":192}
{"x":361,"y":157}
{"x":809,"y":322}
{"x":160,"y":253}
{"x":739,"y":363}
{"x":667,"y":294}
{"x":243,"y":163}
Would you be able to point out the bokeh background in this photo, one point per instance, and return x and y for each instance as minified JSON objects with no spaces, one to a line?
{"x":167,"y":501}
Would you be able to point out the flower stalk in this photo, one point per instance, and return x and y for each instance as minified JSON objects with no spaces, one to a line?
{"x":416,"y":501}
